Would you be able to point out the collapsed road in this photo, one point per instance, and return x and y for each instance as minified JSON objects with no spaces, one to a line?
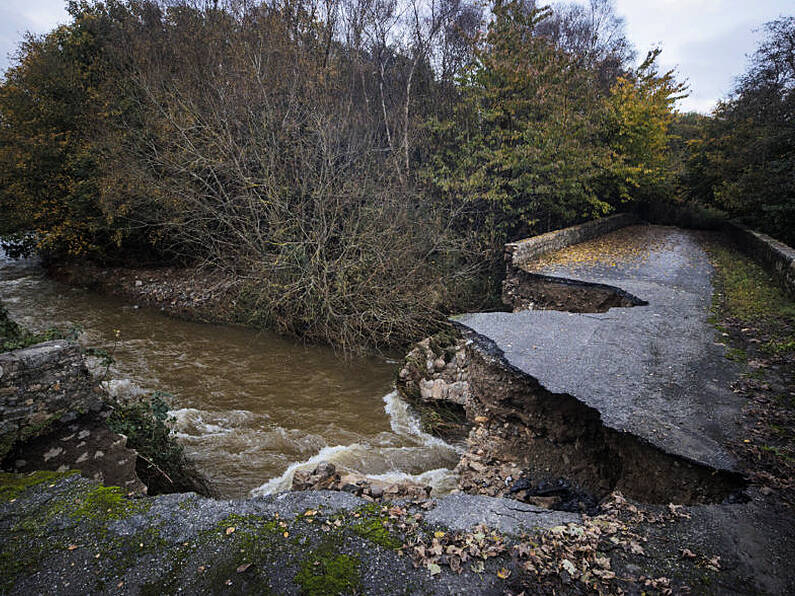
{"x":650,"y":368}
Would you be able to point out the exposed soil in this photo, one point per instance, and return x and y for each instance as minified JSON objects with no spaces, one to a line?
{"x":523,"y":290}
{"x":549,"y":437}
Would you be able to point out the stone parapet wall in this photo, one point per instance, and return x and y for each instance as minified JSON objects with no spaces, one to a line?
{"x":520,"y":252}
{"x":776,"y":256}
{"x":53,"y":417}
{"x":40,"y":384}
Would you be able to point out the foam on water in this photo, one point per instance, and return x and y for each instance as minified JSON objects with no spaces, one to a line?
{"x":283,"y":482}
{"x":405,"y":423}
{"x":363,"y":458}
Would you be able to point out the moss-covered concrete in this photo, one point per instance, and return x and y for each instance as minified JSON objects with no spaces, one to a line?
{"x":62,"y":534}
{"x":68,"y":535}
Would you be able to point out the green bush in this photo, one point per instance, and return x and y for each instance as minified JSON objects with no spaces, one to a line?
{"x":162,"y":464}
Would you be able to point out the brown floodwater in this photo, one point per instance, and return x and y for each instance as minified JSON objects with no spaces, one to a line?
{"x":249,"y":407}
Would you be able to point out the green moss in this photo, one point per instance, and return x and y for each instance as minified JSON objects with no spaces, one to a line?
{"x":375,"y":530}
{"x":13,"y":485}
{"x":252,"y":525}
{"x":780,"y":348}
{"x":105,"y":503}
{"x":737,"y":354}
{"x":325,"y":572}
{"x":748,"y":292}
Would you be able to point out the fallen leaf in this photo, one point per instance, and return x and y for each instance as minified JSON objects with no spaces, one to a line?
{"x":230,"y":530}
{"x":569,"y":566}
{"x":72,"y":547}
{"x":434,"y":569}
{"x":243,"y":567}
{"x":688,"y":554}
{"x":603,"y":562}
{"x":477,"y":567}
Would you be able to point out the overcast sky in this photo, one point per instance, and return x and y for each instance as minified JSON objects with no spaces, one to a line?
{"x":705,"y":40}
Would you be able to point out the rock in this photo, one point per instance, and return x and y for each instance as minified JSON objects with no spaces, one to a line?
{"x":325,"y":470}
{"x":376,"y":492}
{"x":477,"y":466}
{"x":439,"y":364}
{"x":545,"y":502}
{"x":426,"y":389}
{"x":301,"y":480}
{"x":353,"y":489}
{"x":462,"y":512}
{"x":458,"y":393}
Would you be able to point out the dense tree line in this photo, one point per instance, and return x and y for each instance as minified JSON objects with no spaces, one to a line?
{"x":741,"y":160}
{"x":358,"y":163}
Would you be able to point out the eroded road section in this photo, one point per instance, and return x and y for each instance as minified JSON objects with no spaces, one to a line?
{"x":654,"y":370}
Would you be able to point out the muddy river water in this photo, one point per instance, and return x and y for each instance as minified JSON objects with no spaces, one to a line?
{"x":249,"y":407}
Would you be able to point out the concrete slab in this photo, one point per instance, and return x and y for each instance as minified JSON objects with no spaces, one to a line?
{"x":655,"y":371}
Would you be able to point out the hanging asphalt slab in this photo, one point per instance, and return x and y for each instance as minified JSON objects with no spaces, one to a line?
{"x":656,"y":371}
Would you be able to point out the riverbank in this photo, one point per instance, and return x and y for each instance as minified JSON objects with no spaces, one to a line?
{"x":190,"y":293}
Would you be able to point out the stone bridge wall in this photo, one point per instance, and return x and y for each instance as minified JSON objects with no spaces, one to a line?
{"x":523,"y":251}
{"x":776,"y":256}
{"x":38,"y":385}
{"x":520,"y":252}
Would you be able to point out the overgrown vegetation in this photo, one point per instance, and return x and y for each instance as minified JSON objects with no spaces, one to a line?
{"x":162,"y":465}
{"x":357,"y":164}
{"x":757,"y":321}
{"x":749,"y":293}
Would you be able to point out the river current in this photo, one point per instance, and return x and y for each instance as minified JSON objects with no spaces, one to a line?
{"x":250,"y":407}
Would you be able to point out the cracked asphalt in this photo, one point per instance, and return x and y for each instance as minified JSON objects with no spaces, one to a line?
{"x":656,"y":371}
